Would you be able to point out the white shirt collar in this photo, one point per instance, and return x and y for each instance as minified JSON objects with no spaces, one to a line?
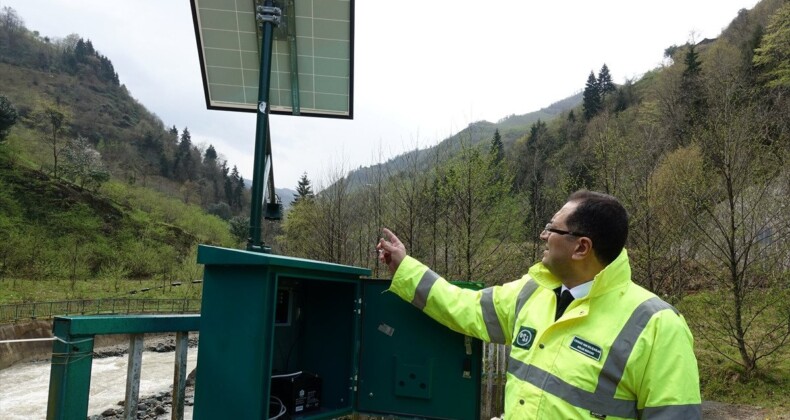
{"x":579,"y":291}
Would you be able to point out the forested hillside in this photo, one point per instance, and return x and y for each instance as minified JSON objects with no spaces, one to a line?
{"x":65,"y":90}
{"x":697,"y":151}
{"x":92,"y":184}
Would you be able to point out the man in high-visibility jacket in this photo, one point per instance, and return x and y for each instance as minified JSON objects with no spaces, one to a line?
{"x":616,"y":351}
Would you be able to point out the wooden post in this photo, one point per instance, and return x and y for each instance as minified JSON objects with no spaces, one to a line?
{"x":133,"y":376}
{"x":180,"y":375}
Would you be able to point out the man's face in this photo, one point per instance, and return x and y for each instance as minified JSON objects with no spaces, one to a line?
{"x":559,"y":248}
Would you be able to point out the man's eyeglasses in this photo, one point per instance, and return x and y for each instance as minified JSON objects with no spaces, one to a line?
{"x":548,"y":228}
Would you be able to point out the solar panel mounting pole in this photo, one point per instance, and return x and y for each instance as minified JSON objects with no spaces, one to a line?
{"x":268,"y":17}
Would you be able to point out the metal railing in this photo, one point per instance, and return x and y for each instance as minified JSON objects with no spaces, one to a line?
{"x":492,"y":394}
{"x":72,"y":355}
{"x":73,"y":333}
{"x":11,"y":313}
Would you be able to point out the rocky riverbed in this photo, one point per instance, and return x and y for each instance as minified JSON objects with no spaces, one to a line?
{"x":152,"y":406}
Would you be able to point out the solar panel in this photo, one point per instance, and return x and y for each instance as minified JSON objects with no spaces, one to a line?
{"x":312,"y":56}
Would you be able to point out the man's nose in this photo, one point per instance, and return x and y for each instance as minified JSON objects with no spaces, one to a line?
{"x":544,"y":235}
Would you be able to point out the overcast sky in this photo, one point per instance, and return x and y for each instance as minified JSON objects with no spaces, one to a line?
{"x":423,"y":70}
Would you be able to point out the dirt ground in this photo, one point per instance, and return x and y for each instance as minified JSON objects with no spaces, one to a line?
{"x":712,"y":410}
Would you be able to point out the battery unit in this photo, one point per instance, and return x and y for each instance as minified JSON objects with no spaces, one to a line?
{"x":299,"y":392}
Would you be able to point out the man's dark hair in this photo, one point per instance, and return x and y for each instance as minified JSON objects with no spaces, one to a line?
{"x":601,"y":218}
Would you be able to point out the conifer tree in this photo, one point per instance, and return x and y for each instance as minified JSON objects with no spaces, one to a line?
{"x":234,"y":189}
{"x":496,"y":156}
{"x":304,"y":190}
{"x":184,"y":165}
{"x":605,"y":84}
{"x":591,"y":98}
{"x":210,"y":156}
{"x":497,"y":150}
{"x":80,"y":51}
{"x":692,"y":93}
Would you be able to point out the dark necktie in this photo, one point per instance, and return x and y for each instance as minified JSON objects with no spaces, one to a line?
{"x":563,"y":301}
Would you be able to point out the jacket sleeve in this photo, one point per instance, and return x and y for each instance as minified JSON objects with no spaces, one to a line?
{"x":486,"y":314}
{"x":670,"y":378}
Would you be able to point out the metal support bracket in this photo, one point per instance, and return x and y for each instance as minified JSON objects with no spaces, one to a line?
{"x":269,"y":14}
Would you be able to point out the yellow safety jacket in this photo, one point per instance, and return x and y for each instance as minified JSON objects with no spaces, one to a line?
{"x":619,"y":352}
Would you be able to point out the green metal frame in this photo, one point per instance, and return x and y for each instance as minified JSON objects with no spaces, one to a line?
{"x":290,"y":26}
{"x":72,"y":354}
{"x":263,"y":172}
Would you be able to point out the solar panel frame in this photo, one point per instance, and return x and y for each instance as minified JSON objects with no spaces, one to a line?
{"x":228,"y":41}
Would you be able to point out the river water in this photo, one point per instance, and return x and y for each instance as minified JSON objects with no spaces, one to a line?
{"x":24,"y":386}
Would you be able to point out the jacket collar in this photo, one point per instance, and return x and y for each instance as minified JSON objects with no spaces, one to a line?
{"x":613,"y":276}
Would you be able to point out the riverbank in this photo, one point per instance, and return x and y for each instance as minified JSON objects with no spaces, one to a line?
{"x":24,"y":387}
{"x":29,"y":350}
{"x":157,"y":406}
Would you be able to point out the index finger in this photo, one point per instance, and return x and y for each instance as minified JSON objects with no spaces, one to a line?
{"x":392,"y":238}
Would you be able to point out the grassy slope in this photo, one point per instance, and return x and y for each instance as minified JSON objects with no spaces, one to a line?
{"x":63,"y":242}
{"x":722,"y":380}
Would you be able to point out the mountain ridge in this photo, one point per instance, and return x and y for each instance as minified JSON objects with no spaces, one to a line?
{"x":511,"y":128}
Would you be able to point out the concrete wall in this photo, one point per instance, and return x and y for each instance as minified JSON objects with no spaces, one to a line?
{"x":11,"y":353}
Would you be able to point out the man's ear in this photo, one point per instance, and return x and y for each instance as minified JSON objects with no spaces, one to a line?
{"x":584,"y":249}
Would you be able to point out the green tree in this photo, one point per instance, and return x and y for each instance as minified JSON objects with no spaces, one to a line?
{"x":210,"y":156}
{"x":772,"y":58}
{"x":8,"y":117}
{"x":221,"y":210}
{"x":304,"y":189}
{"x":669,"y":52}
{"x":483,"y":215}
{"x":211,"y":178}
{"x":76,"y":230}
{"x":83,"y":165}
{"x":299,"y":237}
{"x":185,"y":164}
{"x":12,"y":29}
{"x":692,"y":92}
{"x":11,"y":226}
{"x":591,"y":97}
{"x":405,"y":193}
{"x":732,"y":200}
{"x":240,"y":228}
{"x":81,"y":51}
{"x":497,"y":155}
{"x":332,"y":213}
{"x":605,"y":84}
{"x":322,"y":228}
{"x":534,"y":177}
{"x":741,"y":216}
{"x":608,"y":144}
{"x":54,"y":119}
{"x":497,"y":149}
{"x":234,"y":189}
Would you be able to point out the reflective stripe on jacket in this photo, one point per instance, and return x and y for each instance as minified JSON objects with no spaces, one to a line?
{"x":619,"y":352}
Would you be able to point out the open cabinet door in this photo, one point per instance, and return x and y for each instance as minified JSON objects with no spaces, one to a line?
{"x":412,"y":366}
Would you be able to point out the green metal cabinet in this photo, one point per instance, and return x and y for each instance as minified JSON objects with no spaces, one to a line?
{"x":265,"y":315}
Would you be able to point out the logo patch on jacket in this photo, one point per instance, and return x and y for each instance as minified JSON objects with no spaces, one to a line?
{"x":525,"y":338}
{"x":586,"y":348}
